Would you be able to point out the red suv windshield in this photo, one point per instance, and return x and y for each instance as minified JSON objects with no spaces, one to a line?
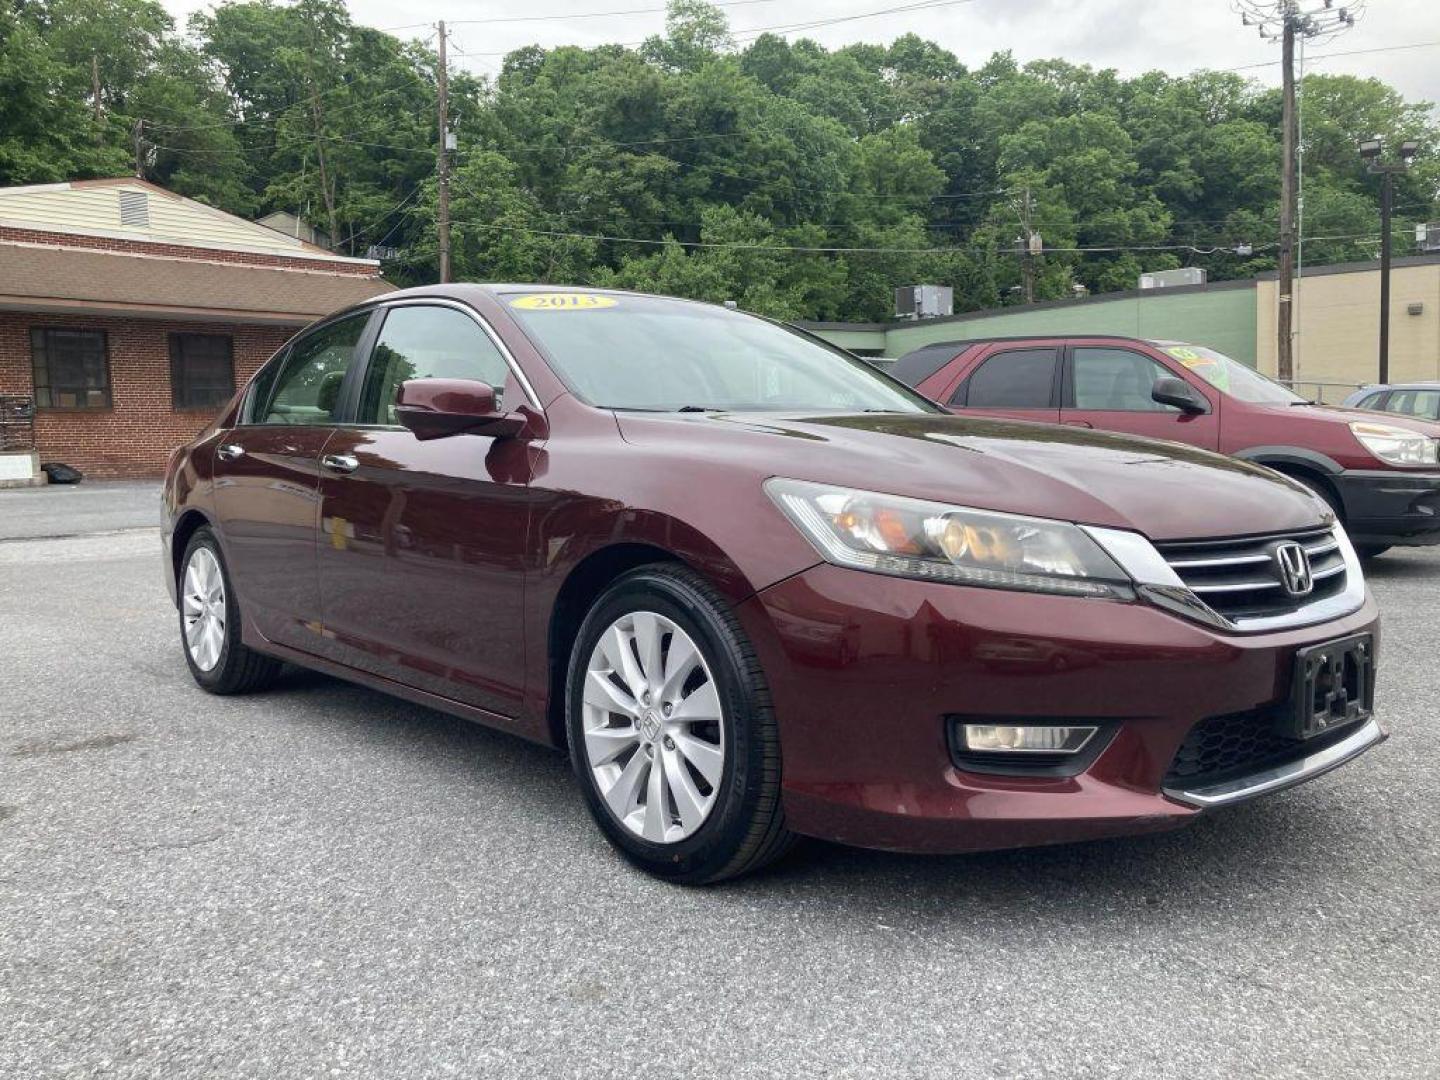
{"x":1230,"y":376}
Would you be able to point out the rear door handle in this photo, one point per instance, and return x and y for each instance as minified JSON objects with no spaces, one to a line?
{"x":340,"y":463}
{"x":229,"y":451}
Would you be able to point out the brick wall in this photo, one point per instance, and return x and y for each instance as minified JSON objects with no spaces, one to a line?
{"x":183,"y":251}
{"x":135,"y":435}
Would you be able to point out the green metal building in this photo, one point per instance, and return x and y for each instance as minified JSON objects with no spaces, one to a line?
{"x":1221,"y":315}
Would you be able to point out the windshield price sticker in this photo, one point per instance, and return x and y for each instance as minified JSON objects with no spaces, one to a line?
{"x":1189,"y":357}
{"x":563,"y":301}
{"x":1185,"y":354}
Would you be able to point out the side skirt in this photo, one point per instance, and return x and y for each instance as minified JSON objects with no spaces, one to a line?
{"x":257,"y":641}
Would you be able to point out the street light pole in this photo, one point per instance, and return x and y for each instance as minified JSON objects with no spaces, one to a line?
{"x":1370,"y":150}
{"x":1387,"y":193}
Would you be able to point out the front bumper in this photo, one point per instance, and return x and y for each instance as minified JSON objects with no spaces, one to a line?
{"x":1387,"y":506}
{"x":865,"y":669}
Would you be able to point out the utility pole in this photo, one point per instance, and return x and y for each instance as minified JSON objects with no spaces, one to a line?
{"x":1030,"y":247}
{"x":1371,"y":150}
{"x":1285,"y":330}
{"x":1285,"y":21}
{"x":95,"y":91}
{"x":137,"y":134}
{"x":442,"y":158}
{"x":326,"y":185}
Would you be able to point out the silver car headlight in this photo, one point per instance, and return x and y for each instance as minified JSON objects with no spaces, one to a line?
{"x":914,"y":538}
{"x":1396,"y":445}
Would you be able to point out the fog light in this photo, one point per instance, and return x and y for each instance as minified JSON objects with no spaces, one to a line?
{"x":1015,"y":739}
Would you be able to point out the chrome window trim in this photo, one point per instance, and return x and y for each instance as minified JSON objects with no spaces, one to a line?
{"x":1278,"y":777}
{"x":510,"y":362}
{"x":1156,"y":581}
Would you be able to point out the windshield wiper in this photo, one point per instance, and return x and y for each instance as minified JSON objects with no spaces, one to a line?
{"x":698,"y":408}
{"x":1302,"y":401}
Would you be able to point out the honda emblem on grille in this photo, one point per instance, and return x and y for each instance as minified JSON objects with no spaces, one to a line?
{"x":1294,"y":564}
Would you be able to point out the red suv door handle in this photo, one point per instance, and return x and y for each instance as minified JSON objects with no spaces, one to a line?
{"x":1078,"y":423}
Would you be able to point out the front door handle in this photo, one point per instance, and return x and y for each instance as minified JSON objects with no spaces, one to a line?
{"x":340,"y":463}
{"x":229,"y":451}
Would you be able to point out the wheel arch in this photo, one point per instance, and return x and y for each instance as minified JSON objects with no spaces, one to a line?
{"x":586,"y":580}
{"x":1300,"y":457}
{"x":186,"y":525}
{"x":1309,"y":467}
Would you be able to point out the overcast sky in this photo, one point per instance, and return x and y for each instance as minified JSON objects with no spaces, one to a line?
{"x":1130,"y":35}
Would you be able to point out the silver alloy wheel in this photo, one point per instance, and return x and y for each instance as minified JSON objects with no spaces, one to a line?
{"x":654,"y":734}
{"x":203,"y":606}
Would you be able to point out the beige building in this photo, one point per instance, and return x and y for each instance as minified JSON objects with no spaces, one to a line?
{"x":1338,"y":324}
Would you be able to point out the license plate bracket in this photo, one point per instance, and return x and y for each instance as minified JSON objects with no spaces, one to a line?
{"x":1334,"y":686}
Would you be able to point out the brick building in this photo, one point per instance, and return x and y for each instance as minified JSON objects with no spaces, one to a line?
{"x":129,"y":314}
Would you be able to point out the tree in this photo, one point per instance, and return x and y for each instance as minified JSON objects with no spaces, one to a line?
{"x":795,"y":179}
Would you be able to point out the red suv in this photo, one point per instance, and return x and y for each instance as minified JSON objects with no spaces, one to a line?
{"x":1379,"y":475}
{"x":756,"y":588}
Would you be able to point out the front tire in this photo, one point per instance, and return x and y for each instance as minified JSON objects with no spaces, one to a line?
{"x":671,"y":730}
{"x":210,"y":623}
{"x":1322,"y":489}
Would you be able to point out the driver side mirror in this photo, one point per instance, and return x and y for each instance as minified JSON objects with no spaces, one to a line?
{"x":438,"y":408}
{"x":1180,"y":394}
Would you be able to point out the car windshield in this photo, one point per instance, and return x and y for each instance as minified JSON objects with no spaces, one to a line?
{"x":1230,"y":376}
{"x":623,"y":351}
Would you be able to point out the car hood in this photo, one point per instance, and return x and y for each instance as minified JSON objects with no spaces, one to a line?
{"x":1168,"y":491}
{"x":1339,"y":414}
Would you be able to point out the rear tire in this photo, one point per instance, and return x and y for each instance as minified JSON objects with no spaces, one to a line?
{"x":210,"y":623}
{"x":683,"y":793}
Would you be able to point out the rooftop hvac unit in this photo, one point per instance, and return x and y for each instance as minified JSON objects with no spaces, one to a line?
{"x":924,"y":301}
{"x":1170,"y":279}
{"x":1427,"y":237}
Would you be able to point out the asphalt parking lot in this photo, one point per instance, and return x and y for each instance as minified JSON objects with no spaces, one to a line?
{"x":322,"y":881}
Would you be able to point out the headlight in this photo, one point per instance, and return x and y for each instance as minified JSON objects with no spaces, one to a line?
{"x":912,"y":538}
{"x":1397,"y":445}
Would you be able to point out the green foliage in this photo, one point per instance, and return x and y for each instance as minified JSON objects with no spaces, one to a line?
{"x":796,"y":180}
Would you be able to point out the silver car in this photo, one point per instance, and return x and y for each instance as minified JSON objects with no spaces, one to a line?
{"x":1419,"y":399}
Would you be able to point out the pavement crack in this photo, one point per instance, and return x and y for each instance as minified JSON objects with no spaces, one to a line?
{"x":171,"y":845}
{"x":57,"y":746}
{"x":36,"y":747}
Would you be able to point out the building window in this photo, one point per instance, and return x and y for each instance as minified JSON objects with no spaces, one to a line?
{"x":202,"y":370}
{"x":71,"y":368}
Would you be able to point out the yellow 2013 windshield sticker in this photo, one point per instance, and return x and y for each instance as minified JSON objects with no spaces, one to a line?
{"x":563,"y":301}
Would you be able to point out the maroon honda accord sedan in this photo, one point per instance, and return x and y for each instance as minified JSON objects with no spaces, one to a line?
{"x":757,"y":588}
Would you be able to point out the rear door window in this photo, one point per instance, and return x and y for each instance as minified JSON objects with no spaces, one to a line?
{"x":1015,"y":379}
{"x":305,"y":387}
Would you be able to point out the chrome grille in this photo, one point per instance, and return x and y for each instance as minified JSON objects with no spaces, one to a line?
{"x":1241,"y":578}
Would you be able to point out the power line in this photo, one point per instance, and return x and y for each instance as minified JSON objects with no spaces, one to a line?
{"x":417,"y":80}
{"x":820,"y":249}
{"x":746,"y":34}
{"x":1333,"y":55}
{"x":571,"y":17}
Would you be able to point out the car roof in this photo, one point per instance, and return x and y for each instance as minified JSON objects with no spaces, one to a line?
{"x":1368,"y":387}
{"x":919,"y":364}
